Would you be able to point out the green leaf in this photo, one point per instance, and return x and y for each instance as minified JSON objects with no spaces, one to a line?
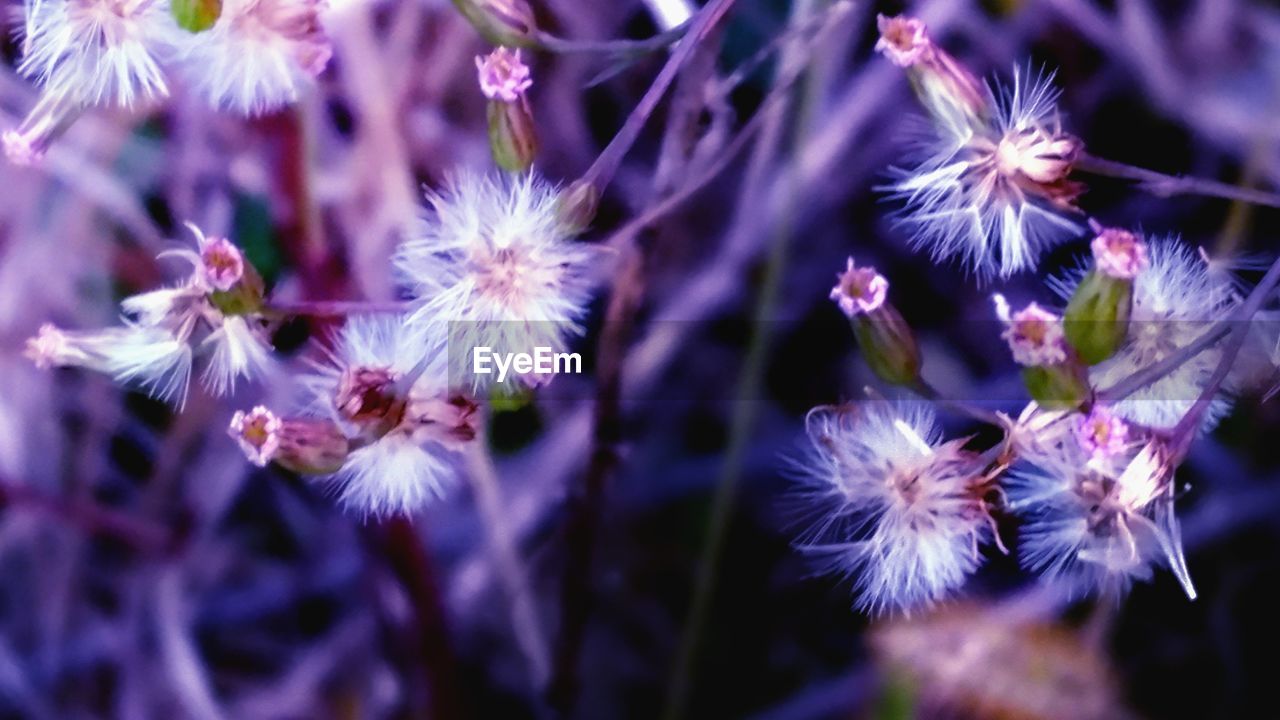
{"x":196,"y":15}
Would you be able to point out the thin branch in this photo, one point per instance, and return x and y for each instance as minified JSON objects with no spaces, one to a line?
{"x":1186,"y":428}
{"x":1153,"y":373}
{"x":601,"y":172}
{"x":333,"y":308}
{"x":1164,"y":185}
{"x":91,"y":518}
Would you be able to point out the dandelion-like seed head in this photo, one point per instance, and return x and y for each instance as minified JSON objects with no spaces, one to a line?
{"x":996,"y":192}
{"x":503,"y":75}
{"x":1101,"y":520}
{"x":1119,"y":253}
{"x":222,"y":263}
{"x":1035,"y":335}
{"x":98,"y":51}
{"x":903,"y":40}
{"x":492,"y":265}
{"x":1176,"y":299}
{"x":859,"y":290}
{"x":258,"y":434}
{"x":406,"y":430}
{"x":896,"y":509}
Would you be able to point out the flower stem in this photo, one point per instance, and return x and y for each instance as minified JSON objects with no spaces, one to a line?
{"x":601,"y":172}
{"x":1186,"y":428}
{"x":332,"y":308}
{"x":1164,"y":185}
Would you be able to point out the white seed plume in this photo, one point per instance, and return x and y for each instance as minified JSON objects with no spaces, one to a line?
{"x":892,"y":507}
{"x":997,"y":195}
{"x":492,"y":265}
{"x":1100,"y":521}
{"x":1176,"y":298}
{"x":259,"y":55}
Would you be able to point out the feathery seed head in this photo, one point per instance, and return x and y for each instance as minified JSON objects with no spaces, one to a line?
{"x":259,"y":55}
{"x":1176,"y":299}
{"x":493,"y":265}
{"x":1101,"y":520}
{"x":994,"y":192}
{"x":893,"y":506}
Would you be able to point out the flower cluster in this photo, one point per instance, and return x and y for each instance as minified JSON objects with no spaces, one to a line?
{"x":250,"y":57}
{"x":1120,"y":379}
{"x":378,"y":420}
{"x":214,"y":312}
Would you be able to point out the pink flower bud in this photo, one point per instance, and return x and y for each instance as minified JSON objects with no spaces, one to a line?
{"x":859,"y":290}
{"x":503,"y":76}
{"x":1119,"y":254}
{"x":1034,"y":334}
{"x":903,"y":40}
{"x":258,"y":434}
{"x":1101,"y":434}
{"x":222,"y":263}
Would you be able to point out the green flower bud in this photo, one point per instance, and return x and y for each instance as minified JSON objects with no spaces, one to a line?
{"x":1057,"y":387}
{"x":507,"y":23}
{"x":513,"y":138}
{"x":196,"y":15}
{"x":577,"y":206}
{"x":1096,"y":322}
{"x":888,"y":345}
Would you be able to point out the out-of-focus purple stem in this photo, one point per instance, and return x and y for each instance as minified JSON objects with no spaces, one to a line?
{"x":333,"y":308}
{"x":91,"y":517}
{"x":1169,"y":185}
{"x":601,"y":172}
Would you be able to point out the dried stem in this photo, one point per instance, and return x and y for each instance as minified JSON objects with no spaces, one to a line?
{"x":1170,"y":185}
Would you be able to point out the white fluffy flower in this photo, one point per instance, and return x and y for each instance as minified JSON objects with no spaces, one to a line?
{"x":88,"y":52}
{"x":98,"y":51}
{"x":894,"y":507}
{"x":259,"y":55}
{"x":1101,"y":521}
{"x":402,"y":437}
{"x":1176,"y":299}
{"x":492,"y":265}
{"x":995,"y":195}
